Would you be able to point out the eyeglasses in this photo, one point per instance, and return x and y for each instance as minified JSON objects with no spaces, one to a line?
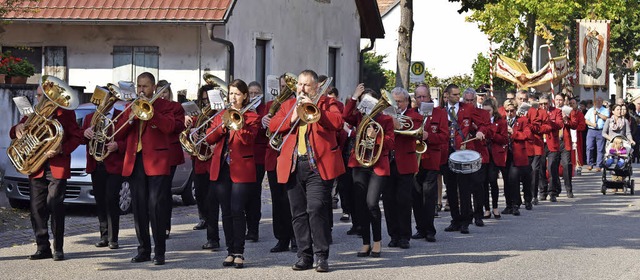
{"x":509,"y":111}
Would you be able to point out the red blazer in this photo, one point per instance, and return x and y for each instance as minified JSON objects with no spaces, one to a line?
{"x":261,"y":141}
{"x":555,"y":124}
{"x":242,"y":165}
{"x":60,"y":164}
{"x":322,"y":139}
{"x":175,"y":148}
{"x":571,"y":123}
{"x":502,"y":112}
{"x":113,"y":163}
{"x":155,"y":140}
{"x":201,"y":167}
{"x":437,"y":141}
{"x":405,"y":146}
{"x":482,"y":119}
{"x":537,"y":119}
{"x":499,"y":142}
{"x":519,"y":139}
{"x":270,"y":155}
{"x":382,"y":167}
{"x":468,"y":115}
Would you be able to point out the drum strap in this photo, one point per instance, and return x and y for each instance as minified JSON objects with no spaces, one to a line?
{"x":454,"y":123}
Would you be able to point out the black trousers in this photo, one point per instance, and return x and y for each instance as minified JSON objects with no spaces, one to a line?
{"x":309,"y":197}
{"x":46,"y":199}
{"x":169,"y":184}
{"x":553,"y":164}
{"x":106,"y":190}
{"x":368,"y":190}
{"x":254,"y":205}
{"x":233,"y":198}
{"x":150,"y":202}
{"x":345,"y":191}
{"x":517,"y":175}
{"x":396,"y":198}
{"x":459,"y":189}
{"x":543,"y":183}
{"x":280,"y":208}
{"x":478,"y":190}
{"x":425,"y":198}
{"x":208,"y":205}
{"x":567,"y":167}
{"x":490,"y":185}
{"x":536,"y":166}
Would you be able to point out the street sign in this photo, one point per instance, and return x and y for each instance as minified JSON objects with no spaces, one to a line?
{"x":417,"y":72}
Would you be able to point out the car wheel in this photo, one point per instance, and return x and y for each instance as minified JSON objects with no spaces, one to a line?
{"x":189,"y":191}
{"x":125,"y":198}
{"x":19,"y":204}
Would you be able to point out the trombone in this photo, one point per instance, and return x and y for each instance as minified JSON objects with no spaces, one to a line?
{"x":307,"y":113}
{"x":232,"y":119}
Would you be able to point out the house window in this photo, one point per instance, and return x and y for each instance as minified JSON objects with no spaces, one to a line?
{"x":332,"y":71}
{"x":261,"y":61}
{"x":55,"y":62}
{"x":129,"y":62}
{"x":31,"y":54}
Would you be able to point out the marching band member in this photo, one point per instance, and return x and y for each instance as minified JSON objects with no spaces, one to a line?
{"x":254,"y":204}
{"x":578,"y":142}
{"x":369,"y":181}
{"x":535,"y":146}
{"x":48,"y":185}
{"x":519,"y":171}
{"x":404,"y":166}
{"x":106,"y":178}
{"x":425,"y":195}
{"x":566,"y":145}
{"x":498,"y":158}
{"x":177,"y":156}
{"x":308,"y":163}
{"x":147,"y":163}
{"x":233,"y":170}
{"x":552,"y":145}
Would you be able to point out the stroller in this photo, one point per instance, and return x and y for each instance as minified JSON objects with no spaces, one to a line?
{"x":617,"y":165}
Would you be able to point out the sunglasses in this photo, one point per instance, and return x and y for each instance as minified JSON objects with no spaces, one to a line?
{"x":509,"y":111}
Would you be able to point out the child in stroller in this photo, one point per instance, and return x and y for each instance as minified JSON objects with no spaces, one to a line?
{"x":617,"y":154}
{"x":618,"y":165}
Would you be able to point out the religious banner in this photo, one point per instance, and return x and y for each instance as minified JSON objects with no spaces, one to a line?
{"x":517,"y":72}
{"x":593,"y":52}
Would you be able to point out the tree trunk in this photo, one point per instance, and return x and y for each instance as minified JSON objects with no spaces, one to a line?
{"x":404,"y":43}
{"x":619,"y":76}
{"x":531,"y":34}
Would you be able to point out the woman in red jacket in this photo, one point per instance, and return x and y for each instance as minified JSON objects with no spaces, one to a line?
{"x":233,"y":170}
{"x":498,"y":158}
{"x":369,"y":181}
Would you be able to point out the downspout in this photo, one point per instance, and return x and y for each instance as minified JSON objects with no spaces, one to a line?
{"x":370,"y":47}
{"x":230,"y":49}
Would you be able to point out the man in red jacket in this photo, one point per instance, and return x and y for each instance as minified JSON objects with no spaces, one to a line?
{"x":309,"y":161}
{"x":570,"y":122}
{"x":552,"y":148}
{"x":48,"y":185}
{"x":147,"y":163}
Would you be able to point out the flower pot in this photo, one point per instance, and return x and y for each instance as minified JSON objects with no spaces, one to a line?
{"x":16,"y":80}
{"x":2,"y":78}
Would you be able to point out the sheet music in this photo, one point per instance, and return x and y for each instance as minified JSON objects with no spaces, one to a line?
{"x":566,"y":110}
{"x":191,"y":109}
{"x":426,"y":109}
{"x":273,"y":85}
{"x":128,"y":89}
{"x":216,"y":99}
{"x":366,"y":104}
{"x":23,"y":105}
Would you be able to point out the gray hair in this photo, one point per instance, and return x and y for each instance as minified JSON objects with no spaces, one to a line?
{"x":470,"y":91}
{"x":401,"y":91}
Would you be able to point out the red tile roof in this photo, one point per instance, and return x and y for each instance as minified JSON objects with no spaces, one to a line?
{"x":126,"y":10}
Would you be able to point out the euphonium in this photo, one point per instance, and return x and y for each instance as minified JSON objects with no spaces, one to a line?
{"x":201,"y":150}
{"x":41,"y":133}
{"x":285,"y":93}
{"x":366,"y":149}
{"x":421,"y":146}
{"x":105,"y":99}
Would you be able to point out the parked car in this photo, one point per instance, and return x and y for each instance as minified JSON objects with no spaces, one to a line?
{"x":79,"y":188}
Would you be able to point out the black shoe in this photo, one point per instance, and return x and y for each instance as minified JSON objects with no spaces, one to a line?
{"x":303,"y":264}
{"x":238,"y":261}
{"x":353,"y":231}
{"x":158,"y":260}
{"x":430,"y":238}
{"x":168,"y":232}
{"x":452,"y":227}
{"x":114,"y":245}
{"x":280,"y":247}
{"x":464,"y":229}
{"x":140,"y":258}
{"x":528,"y":206}
{"x":41,"y":254}
{"x":418,"y":235}
{"x":534,"y":201}
{"x":251,"y":237}
{"x":516,"y":211}
{"x":507,"y":211}
{"x":294,"y":245}
{"x":479,"y":222}
{"x":570,"y":194}
{"x":404,"y":244}
{"x":542,"y":197}
{"x":228,"y":261}
{"x":322,"y":265}
{"x":345,"y":217}
{"x":447,"y":208}
{"x":365,"y":253}
{"x":438,"y":207}
{"x":553,"y":198}
{"x":211,"y":245}
{"x":58,"y":255}
{"x":200,"y":225}
{"x":393,"y":243}
{"x":102,"y":243}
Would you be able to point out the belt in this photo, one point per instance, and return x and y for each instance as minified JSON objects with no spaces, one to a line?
{"x":595,"y":128}
{"x":303,"y":157}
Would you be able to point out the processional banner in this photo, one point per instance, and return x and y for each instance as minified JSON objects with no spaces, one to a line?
{"x":592,"y":64}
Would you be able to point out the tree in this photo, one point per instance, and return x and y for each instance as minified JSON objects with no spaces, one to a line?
{"x":481,"y":76}
{"x":405,"y":32}
{"x":374,"y":76}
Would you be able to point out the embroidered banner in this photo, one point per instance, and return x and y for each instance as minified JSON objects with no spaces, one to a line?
{"x":592,"y":52}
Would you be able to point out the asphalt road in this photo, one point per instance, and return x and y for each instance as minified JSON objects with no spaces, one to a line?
{"x":589,"y":237}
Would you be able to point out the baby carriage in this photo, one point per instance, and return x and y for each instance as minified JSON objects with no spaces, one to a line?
{"x":617,"y":165}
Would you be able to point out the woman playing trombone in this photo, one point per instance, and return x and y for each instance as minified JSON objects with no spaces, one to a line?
{"x":233,"y":170}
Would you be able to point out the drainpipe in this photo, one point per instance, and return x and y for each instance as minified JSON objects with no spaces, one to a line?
{"x":230,"y":49}
{"x":370,"y":47}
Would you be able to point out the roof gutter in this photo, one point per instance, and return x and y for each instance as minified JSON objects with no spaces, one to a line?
{"x":370,"y":47}
{"x":230,"y":48}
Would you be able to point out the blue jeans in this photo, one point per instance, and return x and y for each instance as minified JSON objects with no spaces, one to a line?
{"x":595,"y":143}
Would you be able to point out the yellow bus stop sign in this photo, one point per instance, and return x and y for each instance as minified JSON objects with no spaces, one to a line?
{"x":417,"y":71}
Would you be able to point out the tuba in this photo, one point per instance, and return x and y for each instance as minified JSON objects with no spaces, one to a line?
{"x":104,"y":99}
{"x":41,"y":133}
{"x":366,"y":149}
{"x":202,"y":151}
{"x":284,"y":94}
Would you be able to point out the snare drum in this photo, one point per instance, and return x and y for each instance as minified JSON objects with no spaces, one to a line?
{"x":465,"y":161}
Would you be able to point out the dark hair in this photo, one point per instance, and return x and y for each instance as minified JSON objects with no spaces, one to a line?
{"x":450,"y":87}
{"x":162,"y":83}
{"x":311,"y":73}
{"x":322,"y":78}
{"x":243,"y":88}
{"x":334,"y":91}
{"x":200,"y":99}
{"x":564,"y":96}
{"x":371,"y":92}
{"x":492,"y":102}
{"x":255,"y":84}
{"x":148,"y":76}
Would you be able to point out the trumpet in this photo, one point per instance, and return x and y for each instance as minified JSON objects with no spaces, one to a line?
{"x":232,"y":119}
{"x":367,"y":154}
{"x":307,"y":112}
{"x":286,"y":93}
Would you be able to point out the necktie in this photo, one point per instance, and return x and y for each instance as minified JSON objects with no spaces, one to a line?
{"x":302,"y":143}
{"x":511,"y":122}
{"x":452,"y":109}
{"x":142,"y":124}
